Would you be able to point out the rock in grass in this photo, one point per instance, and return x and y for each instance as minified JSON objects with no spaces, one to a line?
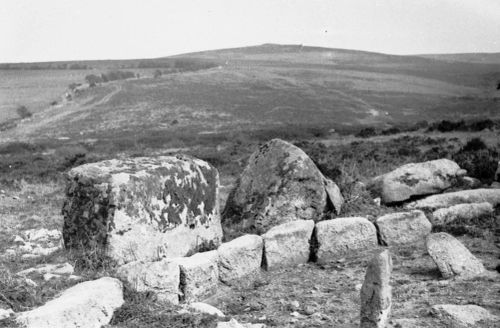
{"x":416,"y":179}
{"x":89,"y":304}
{"x":54,"y":269}
{"x":205,"y":308}
{"x":162,"y":278}
{"x":376,"y":292}
{"x":403,"y":227}
{"x":143,"y":208}
{"x":233,"y":323}
{"x":452,"y":257}
{"x":466,"y":213}
{"x":342,"y":236}
{"x":240,"y":257}
{"x":199,"y":275}
{"x":288,"y":244}
{"x":491,"y":196}
{"x":464,"y":315}
{"x":279,"y":184}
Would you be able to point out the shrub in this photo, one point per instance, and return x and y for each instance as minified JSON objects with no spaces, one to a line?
{"x":23,"y":112}
{"x":157,"y":73}
{"x":479,"y":160}
{"x":366,"y":133}
{"x":474,"y":144}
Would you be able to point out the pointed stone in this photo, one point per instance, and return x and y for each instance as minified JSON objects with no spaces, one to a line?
{"x":376,"y":293}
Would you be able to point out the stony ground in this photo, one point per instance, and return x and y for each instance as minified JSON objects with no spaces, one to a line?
{"x":309,"y":295}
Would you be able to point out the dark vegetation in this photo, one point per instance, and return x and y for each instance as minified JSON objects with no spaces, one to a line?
{"x":23,"y":112}
{"x":93,"y":79}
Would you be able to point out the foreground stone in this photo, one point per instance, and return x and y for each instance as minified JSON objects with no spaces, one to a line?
{"x":5,"y":313}
{"x":87,"y":305}
{"x":205,"y":308}
{"x":233,"y":323}
{"x":172,"y":201}
{"x":240,"y":257}
{"x":452,"y":257}
{"x":280,"y":184}
{"x":464,"y":315}
{"x":342,"y":236}
{"x":416,"y":179}
{"x":403,"y":228}
{"x":463,"y":212}
{"x":491,"y":196}
{"x":376,"y":292}
{"x":199,"y":275}
{"x":288,"y":244}
{"x":161,"y":278}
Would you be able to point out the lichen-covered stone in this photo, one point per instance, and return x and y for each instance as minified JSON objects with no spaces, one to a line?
{"x":376,"y":292}
{"x":416,"y":179}
{"x":288,"y":244}
{"x":240,"y":257}
{"x":452,"y":257}
{"x":143,"y":208}
{"x":280,"y":184}
{"x":433,"y":202}
{"x":464,"y":213}
{"x":342,"y":236}
{"x":161,"y":278}
{"x":89,"y":304}
{"x":403,"y":227}
{"x":199,"y":275}
{"x":462,"y":316}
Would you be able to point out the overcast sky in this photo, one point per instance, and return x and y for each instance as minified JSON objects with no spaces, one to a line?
{"x":49,"y":30}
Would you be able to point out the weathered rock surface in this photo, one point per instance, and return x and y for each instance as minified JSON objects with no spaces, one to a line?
{"x":341,"y":236}
{"x":288,"y":244}
{"x":482,"y":195}
{"x":49,"y":271}
{"x":415,"y":179}
{"x":161,"y":278}
{"x":376,"y":292}
{"x":89,"y":304}
{"x":464,"y":315}
{"x":5,"y":313}
{"x":205,"y":308}
{"x":233,"y":323}
{"x":469,"y":183}
{"x":143,"y":208}
{"x":280,"y":184}
{"x":452,"y":257}
{"x":403,"y":227}
{"x":35,"y":243}
{"x":240,"y":257}
{"x":463,"y":212}
{"x":199,"y":275}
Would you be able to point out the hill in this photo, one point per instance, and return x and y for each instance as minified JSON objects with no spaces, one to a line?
{"x":267,"y":87}
{"x":482,"y":58}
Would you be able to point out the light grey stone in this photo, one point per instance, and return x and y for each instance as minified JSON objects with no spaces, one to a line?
{"x":482,"y":195}
{"x":464,"y":315}
{"x":403,"y":227}
{"x":462,"y":212}
{"x":240,"y":257}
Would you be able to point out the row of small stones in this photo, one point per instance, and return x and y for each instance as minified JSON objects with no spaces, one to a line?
{"x":196,"y":277}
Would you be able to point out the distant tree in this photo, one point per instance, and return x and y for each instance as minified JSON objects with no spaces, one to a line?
{"x":498,"y":86}
{"x":93,"y":79}
{"x":157,"y":74}
{"x":23,"y":112}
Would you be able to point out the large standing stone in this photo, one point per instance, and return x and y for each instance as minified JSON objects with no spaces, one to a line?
{"x":143,"y":208}
{"x":89,"y":304}
{"x":403,"y":227}
{"x":452,"y":257}
{"x":161,"y":278}
{"x":288,"y":244}
{"x":199,"y":275}
{"x":462,"y":212}
{"x":376,"y":292}
{"x":342,"y":236}
{"x":240,"y":257}
{"x":280,"y":184}
{"x":416,"y":179}
{"x":463,"y":315}
{"x":491,"y":196}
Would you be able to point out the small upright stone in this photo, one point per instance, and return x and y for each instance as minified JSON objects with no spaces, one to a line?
{"x":376,"y":292}
{"x":452,"y":257}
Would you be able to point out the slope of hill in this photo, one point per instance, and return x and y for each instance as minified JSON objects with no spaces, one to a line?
{"x":482,"y":58}
{"x":269,"y":86}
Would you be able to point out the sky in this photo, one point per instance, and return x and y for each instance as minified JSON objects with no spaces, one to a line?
{"x":51,"y":30}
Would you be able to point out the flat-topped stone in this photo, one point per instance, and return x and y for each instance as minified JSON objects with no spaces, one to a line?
{"x":403,"y":227}
{"x":288,"y":244}
{"x":143,"y":208}
{"x":464,"y":213}
{"x":491,"y":196}
{"x":240,"y":257}
{"x":342,"y":236}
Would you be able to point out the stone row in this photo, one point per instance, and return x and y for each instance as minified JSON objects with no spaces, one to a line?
{"x":194,"y":278}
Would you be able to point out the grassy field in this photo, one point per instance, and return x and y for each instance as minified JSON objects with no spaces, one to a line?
{"x":320,"y":99}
